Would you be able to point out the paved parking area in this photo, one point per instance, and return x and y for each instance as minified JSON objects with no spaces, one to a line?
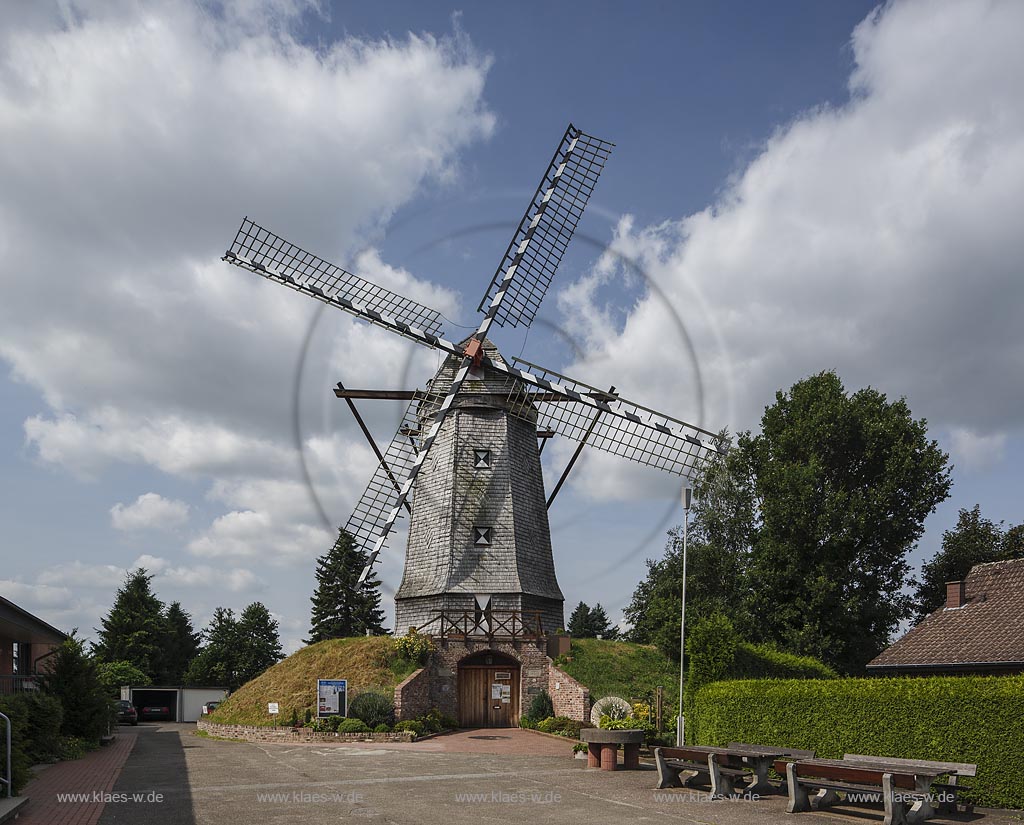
{"x":173,"y":777}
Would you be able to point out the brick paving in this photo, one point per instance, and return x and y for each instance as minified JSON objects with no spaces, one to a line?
{"x":96,"y":772}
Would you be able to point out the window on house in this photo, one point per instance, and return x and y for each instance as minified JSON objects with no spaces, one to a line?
{"x":481,"y":459}
{"x":16,"y":658}
{"x":482,"y":536}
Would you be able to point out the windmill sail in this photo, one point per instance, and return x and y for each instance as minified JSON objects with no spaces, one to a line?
{"x":537,"y":247}
{"x":260,"y":250}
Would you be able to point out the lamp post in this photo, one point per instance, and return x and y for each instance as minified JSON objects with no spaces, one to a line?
{"x":680,"y":721}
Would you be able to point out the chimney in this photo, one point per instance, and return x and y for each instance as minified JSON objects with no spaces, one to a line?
{"x":955,"y":595}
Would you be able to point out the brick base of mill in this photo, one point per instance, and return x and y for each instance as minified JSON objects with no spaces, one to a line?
{"x":436,"y":684}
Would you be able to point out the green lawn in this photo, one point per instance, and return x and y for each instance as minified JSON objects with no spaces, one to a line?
{"x":623,"y":669}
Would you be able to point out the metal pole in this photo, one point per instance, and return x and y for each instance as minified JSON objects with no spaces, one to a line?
{"x":680,"y":721}
{"x":7,"y":764}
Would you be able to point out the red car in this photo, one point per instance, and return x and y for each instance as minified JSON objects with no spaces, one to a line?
{"x":155,"y":713}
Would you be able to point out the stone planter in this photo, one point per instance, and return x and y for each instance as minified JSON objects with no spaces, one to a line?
{"x":604,"y":745}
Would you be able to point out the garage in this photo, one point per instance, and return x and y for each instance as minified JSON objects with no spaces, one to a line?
{"x":184,"y":704}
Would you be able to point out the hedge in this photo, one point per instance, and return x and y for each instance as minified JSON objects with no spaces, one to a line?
{"x":35,"y":733}
{"x":977,"y":719}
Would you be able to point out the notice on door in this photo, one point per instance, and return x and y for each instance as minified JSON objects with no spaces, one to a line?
{"x":506,"y":694}
{"x":496,"y":691}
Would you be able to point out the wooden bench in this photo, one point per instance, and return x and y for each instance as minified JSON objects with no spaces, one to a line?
{"x":707,"y":765}
{"x":900,"y":789}
{"x":761,"y":783}
{"x":950,"y":789}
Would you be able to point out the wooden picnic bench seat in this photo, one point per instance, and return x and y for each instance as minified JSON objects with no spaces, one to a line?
{"x":672,"y":762}
{"x":864,"y":782}
{"x":788,"y":753}
{"x":950,"y":788}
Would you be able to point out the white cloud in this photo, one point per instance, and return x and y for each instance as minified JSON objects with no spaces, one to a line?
{"x":150,"y":511}
{"x":976,"y":451}
{"x":879,"y":238}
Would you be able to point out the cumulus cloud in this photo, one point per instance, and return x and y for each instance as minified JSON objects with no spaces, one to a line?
{"x":150,"y":511}
{"x":879,"y":238}
{"x":135,"y":139}
{"x":975,"y":451}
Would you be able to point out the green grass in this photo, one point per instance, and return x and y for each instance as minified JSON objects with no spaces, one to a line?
{"x":623,"y":669}
{"x":366,"y":661}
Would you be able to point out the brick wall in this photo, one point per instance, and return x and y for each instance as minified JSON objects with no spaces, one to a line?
{"x":412,"y":696}
{"x":253,"y":733}
{"x":569,"y":697}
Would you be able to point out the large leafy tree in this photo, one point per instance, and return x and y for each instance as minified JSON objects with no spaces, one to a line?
{"x":801,"y":533}
{"x":974,"y":540}
{"x":341,"y":605}
{"x":182,"y":644}
{"x":135,"y":629}
{"x":259,"y":643}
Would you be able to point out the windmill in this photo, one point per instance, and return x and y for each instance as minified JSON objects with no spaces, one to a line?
{"x":479,"y":543}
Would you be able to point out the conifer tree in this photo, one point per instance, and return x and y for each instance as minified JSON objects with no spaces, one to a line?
{"x":579,"y":622}
{"x":135,"y":629}
{"x":259,"y":644}
{"x":218,"y":662}
{"x":181,"y":647}
{"x":341,"y":605}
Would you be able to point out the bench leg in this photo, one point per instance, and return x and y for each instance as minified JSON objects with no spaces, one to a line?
{"x":593,"y":756}
{"x":630,"y":757}
{"x":609,"y":757}
{"x":895,"y":809}
{"x":759,"y":783}
{"x":824,"y":798}
{"x":667,"y":777}
{"x":922,"y":809}
{"x":798,"y":799}
{"x":721,"y":785}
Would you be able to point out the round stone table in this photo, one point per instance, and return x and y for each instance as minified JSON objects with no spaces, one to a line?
{"x":603,"y":748}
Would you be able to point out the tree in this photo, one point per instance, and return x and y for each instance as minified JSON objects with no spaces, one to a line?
{"x":843,"y":484}
{"x":579,"y":621}
{"x":801,"y":533}
{"x":341,"y":605}
{"x":181,"y":645}
{"x":974,"y":540}
{"x":113,"y":675}
{"x":599,"y":625}
{"x":259,"y":645}
{"x":218,"y":662}
{"x":135,"y":629}
{"x":72,"y":677}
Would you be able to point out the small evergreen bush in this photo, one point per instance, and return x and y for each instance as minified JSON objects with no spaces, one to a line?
{"x":352,"y":726}
{"x":413,"y":725}
{"x":373,"y":708}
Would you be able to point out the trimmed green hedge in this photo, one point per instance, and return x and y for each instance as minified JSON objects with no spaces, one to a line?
{"x":976,"y":719}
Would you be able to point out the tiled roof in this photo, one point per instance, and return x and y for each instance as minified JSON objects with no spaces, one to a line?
{"x":988,"y":629}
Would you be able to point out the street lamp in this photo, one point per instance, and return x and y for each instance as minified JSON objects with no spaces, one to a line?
{"x":680,"y":722}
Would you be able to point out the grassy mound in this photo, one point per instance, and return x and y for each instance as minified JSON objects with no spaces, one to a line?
{"x":368,"y":662}
{"x":619,"y":668}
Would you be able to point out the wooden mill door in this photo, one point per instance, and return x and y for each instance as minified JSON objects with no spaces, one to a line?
{"x":488,"y":696}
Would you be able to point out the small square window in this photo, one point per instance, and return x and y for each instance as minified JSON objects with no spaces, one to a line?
{"x":481,"y":459}
{"x":482,"y":536}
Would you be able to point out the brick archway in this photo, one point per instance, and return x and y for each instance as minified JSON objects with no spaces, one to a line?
{"x":488,"y":689}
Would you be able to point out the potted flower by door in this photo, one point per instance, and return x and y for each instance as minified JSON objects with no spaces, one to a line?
{"x":579,"y":750}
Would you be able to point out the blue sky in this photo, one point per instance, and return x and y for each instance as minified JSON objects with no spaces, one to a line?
{"x":808,"y":185}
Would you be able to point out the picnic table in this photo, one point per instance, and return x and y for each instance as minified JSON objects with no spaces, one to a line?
{"x":722,"y":766}
{"x":905,"y":785}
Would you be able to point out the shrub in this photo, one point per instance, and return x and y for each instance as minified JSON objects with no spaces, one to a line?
{"x":307,"y":717}
{"x":352,"y":726}
{"x":944,"y":718}
{"x":413,"y":646}
{"x":413,"y":725}
{"x":17,"y":711}
{"x":540,"y":707}
{"x":434,"y":721}
{"x":74,"y":747}
{"x":562,"y":725}
{"x":373,"y":708}
{"x":382,"y":729}
{"x":527,"y":722}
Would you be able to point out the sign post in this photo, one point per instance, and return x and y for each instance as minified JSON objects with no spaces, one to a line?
{"x":273,"y":709}
{"x":331,"y":697}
